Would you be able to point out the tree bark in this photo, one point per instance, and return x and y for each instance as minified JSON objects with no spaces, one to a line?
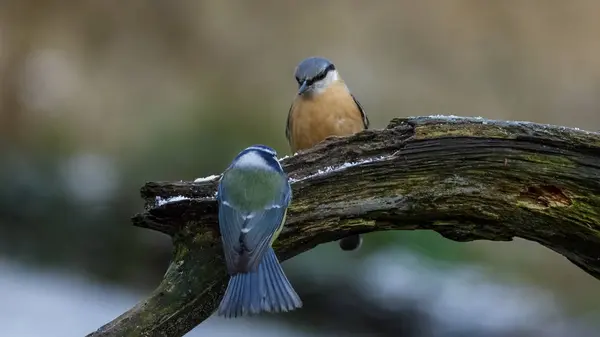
{"x":465,"y":178}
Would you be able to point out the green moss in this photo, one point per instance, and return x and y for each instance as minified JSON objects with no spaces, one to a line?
{"x":586,"y":208}
{"x":588,"y":205}
{"x":550,"y":160}
{"x":201,"y":237}
{"x":588,"y":138}
{"x":463,"y":130}
{"x":489,"y":214}
{"x":359,"y":222}
{"x":181,"y":253}
{"x":529,"y":204}
{"x":297,"y":207}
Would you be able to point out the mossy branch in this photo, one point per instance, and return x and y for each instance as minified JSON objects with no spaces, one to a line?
{"x":465,"y":178}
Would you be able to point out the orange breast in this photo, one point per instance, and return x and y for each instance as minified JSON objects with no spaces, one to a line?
{"x":332,"y":113}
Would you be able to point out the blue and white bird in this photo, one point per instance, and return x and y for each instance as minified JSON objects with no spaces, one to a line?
{"x":253,"y":196}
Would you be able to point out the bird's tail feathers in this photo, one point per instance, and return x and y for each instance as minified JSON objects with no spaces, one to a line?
{"x":266,"y":289}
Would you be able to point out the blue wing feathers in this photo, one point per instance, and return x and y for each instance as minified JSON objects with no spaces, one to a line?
{"x":230,"y":224}
{"x":262,"y":226}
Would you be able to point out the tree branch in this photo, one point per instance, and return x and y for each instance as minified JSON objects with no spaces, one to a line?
{"x":465,"y":178}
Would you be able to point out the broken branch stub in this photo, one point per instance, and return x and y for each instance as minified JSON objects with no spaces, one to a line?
{"x":465,"y":178}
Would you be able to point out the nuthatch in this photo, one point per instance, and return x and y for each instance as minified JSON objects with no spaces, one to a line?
{"x":253,"y":197}
{"x":323,"y":107}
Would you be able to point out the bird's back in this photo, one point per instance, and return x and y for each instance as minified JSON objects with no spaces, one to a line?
{"x":331,"y":113}
{"x":250,"y":188}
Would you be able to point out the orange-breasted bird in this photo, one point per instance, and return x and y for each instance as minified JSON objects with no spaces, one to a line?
{"x":322,"y":108}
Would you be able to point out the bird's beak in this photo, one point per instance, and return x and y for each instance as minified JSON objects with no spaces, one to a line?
{"x":303,"y":88}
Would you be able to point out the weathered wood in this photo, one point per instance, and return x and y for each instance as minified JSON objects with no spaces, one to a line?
{"x":465,"y":178}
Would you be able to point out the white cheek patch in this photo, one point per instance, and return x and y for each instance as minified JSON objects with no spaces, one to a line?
{"x":332,"y":77}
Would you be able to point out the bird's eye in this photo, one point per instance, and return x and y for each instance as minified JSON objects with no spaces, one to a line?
{"x":319,"y":76}
{"x":297,"y":79}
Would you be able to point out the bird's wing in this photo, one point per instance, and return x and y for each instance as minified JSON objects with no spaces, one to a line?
{"x":264,"y":227}
{"x":362,"y":112}
{"x":247,"y":236}
{"x":230,"y":226}
{"x":288,"y":127}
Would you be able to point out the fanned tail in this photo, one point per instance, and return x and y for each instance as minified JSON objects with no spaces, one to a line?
{"x":267,"y":289}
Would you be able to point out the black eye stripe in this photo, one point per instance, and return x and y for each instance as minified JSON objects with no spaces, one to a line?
{"x":322,"y":74}
{"x":316,"y":78}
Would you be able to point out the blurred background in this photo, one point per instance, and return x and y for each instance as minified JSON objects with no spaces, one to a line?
{"x":98,"y":97}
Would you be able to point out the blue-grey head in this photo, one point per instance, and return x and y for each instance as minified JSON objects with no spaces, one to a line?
{"x":257,"y":157}
{"x":315,"y":74}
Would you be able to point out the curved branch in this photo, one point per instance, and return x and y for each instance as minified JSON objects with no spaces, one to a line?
{"x":465,"y":178}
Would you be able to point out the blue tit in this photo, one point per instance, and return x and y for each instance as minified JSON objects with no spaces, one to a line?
{"x":253,"y":197}
{"x":323,"y":107}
